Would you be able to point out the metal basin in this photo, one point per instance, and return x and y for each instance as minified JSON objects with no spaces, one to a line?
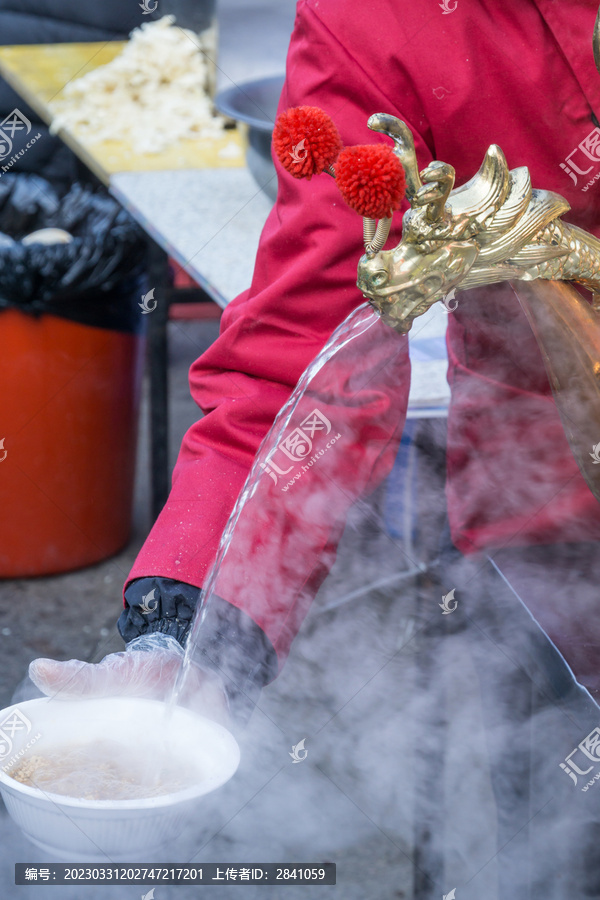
{"x":254,"y":104}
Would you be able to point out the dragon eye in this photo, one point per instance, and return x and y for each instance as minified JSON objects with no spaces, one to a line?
{"x":379,"y":278}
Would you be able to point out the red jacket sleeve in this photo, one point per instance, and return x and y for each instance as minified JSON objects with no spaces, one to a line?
{"x":304,"y":285}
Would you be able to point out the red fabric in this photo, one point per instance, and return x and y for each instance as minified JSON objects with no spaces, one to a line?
{"x":519,"y":74}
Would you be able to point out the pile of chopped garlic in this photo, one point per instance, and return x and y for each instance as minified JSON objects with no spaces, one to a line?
{"x":152,"y":95}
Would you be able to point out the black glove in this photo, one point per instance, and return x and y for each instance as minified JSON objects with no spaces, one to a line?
{"x":229,"y":642}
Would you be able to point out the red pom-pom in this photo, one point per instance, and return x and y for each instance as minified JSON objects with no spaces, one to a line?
{"x":371,"y":179}
{"x":306,"y":141}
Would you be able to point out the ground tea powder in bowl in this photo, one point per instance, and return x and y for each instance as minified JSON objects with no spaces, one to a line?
{"x":105,"y":770}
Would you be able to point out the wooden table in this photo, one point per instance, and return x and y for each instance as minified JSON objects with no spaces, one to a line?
{"x":39,"y":74}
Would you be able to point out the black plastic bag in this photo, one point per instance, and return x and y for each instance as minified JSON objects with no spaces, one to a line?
{"x":96,"y":279}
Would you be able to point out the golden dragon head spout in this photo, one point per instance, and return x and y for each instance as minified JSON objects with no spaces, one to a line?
{"x":403,"y":283}
{"x":495,"y":227}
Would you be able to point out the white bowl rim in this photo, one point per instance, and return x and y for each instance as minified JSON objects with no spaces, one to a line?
{"x":161,"y":800}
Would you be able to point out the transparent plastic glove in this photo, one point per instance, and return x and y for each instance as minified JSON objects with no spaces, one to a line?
{"x":147,"y":668}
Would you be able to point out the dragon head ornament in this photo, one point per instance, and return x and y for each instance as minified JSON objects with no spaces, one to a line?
{"x":494,"y":228}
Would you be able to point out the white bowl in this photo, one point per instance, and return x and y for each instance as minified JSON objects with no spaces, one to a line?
{"x":71,"y":829}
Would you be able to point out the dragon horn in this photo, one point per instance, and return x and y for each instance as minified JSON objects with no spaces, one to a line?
{"x":404,"y":147}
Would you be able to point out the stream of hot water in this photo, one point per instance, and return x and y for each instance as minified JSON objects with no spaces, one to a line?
{"x":334,"y":441}
{"x":341,"y":423}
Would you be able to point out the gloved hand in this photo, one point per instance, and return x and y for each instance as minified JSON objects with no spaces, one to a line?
{"x":147,"y":668}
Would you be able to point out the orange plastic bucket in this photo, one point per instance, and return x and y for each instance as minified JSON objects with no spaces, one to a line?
{"x":69,"y":401}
